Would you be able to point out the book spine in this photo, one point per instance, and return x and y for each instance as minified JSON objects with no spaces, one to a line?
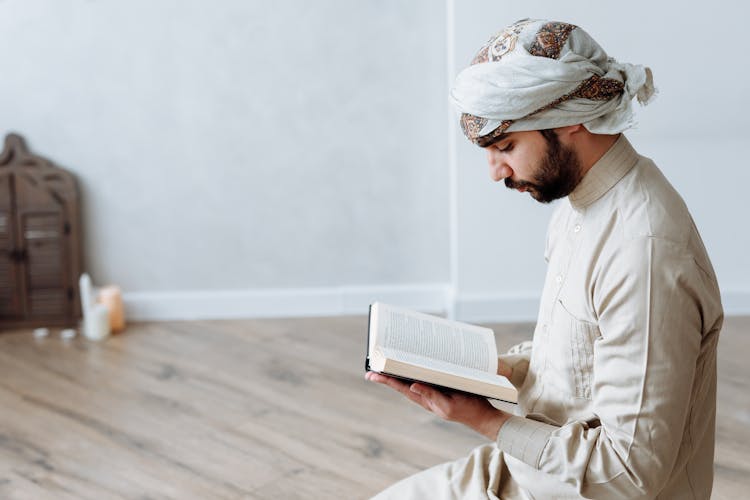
{"x":367,"y":345}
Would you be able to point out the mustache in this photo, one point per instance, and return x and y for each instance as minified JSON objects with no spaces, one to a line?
{"x":511,"y":184}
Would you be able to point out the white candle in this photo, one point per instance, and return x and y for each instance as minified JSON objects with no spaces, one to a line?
{"x":87,"y":293}
{"x":96,"y":323}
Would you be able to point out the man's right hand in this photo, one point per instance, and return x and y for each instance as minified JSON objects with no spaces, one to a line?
{"x":504,"y":369}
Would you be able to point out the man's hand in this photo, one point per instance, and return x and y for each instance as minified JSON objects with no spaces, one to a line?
{"x":504,"y":369}
{"x":473,"y":411}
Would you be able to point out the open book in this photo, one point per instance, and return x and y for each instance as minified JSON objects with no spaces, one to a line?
{"x":420,"y":347}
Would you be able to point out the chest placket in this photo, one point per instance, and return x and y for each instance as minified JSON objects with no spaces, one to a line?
{"x":572,"y":241}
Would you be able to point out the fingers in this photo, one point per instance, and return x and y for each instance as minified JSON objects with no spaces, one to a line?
{"x":504,"y":370}
{"x":393,"y":383}
{"x":386,"y":380}
{"x":426,"y":391}
{"x":405,"y":388}
{"x":434,"y":400}
{"x":442,"y":404}
{"x":473,"y":411}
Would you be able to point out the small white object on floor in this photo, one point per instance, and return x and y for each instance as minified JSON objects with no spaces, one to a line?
{"x":40,"y":333}
{"x":68,"y":334}
{"x":96,"y":324}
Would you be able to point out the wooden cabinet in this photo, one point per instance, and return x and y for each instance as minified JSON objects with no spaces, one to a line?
{"x":40,"y":240}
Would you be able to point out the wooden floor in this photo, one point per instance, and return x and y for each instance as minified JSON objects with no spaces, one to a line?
{"x":262,"y":409}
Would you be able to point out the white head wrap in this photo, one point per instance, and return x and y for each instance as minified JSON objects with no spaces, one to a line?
{"x":538,"y":74}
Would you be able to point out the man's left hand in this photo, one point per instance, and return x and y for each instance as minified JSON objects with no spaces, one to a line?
{"x":473,"y":411}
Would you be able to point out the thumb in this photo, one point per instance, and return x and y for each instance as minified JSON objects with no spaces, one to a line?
{"x":504,"y":369}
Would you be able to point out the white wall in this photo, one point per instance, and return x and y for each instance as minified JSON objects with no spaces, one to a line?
{"x":240,"y":145}
{"x":258,"y":158}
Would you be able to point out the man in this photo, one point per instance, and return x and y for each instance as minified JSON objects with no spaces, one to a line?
{"x":617,"y":391}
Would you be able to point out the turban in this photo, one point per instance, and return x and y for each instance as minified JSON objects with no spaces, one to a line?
{"x":538,"y":74}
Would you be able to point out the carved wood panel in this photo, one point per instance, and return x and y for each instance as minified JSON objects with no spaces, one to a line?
{"x":40,"y":250}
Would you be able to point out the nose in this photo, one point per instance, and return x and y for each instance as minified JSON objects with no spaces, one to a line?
{"x":499,"y":169}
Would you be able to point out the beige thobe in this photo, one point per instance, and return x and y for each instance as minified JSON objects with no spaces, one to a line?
{"x":618,"y":387}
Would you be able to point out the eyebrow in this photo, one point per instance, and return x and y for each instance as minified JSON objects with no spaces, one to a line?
{"x":494,"y":140}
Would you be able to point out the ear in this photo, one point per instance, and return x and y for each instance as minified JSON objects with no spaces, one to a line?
{"x":567,"y":133}
{"x":572,"y":135}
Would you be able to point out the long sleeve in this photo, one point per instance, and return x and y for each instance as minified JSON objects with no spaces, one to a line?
{"x":647,"y":299}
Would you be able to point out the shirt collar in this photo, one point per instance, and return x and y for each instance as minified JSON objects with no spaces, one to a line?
{"x":604,"y":174}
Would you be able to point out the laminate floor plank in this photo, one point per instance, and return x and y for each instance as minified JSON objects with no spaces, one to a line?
{"x":251,"y":409}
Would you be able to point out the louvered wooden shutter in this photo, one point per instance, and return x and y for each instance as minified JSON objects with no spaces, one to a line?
{"x":40,"y":205}
{"x":9,"y":301}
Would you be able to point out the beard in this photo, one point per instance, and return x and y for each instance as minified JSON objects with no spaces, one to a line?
{"x":557,"y":174}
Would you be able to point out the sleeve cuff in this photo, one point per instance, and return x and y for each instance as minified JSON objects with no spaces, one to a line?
{"x":524,"y":439}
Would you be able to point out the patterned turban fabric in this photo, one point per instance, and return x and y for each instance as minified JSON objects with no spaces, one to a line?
{"x":538,"y":74}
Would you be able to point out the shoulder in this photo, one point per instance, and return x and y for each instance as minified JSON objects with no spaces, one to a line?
{"x":650,"y":218}
{"x":648,"y":205}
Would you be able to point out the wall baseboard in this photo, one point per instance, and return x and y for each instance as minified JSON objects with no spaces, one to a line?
{"x":350,"y":300}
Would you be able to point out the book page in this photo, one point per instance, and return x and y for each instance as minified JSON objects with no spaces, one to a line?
{"x":437,"y":339}
{"x":449,"y":368}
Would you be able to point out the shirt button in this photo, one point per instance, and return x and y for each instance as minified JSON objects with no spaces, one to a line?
{"x":577,"y":228}
{"x":558,"y":278}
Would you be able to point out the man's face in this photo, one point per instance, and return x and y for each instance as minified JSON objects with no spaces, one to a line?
{"x":530,"y":161}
